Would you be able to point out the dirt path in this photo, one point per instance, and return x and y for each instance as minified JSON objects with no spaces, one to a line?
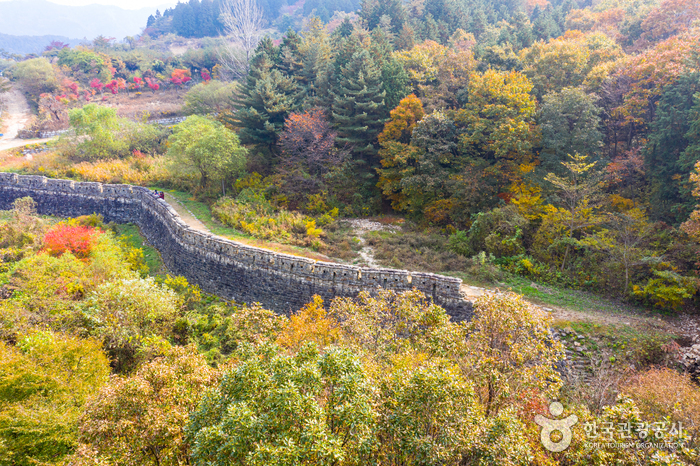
{"x":16,"y":114}
{"x":362,"y":226}
{"x":185,"y":214}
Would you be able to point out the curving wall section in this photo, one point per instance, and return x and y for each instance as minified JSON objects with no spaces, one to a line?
{"x":226,"y":268}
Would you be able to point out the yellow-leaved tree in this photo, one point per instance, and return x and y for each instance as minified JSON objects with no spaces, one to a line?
{"x":498,"y":122}
{"x":579,"y":194}
{"x":511,"y":351}
{"x":397,"y":156}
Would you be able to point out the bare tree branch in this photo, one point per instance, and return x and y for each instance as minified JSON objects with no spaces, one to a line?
{"x":243,"y":24}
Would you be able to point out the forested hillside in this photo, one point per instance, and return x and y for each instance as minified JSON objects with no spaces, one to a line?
{"x":502,"y":142}
{"x":557,"y":139}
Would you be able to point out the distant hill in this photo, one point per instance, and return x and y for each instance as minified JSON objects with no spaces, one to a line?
{"x":32,"y":44}
{"x":39,"y":17}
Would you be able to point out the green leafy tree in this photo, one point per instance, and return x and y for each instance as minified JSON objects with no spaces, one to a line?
{"x":579,"y":194}
{"x":428,"y":415}
{"x":497,"y":121}
{"x":104,"y":135}
{"x":622,"y":239}
{"x":36,"y":76}
{"x":570,"y":123}
{"x":431,"y":178}
{"x":45,"y":380}
{"x":128,"y":316}
{"x":572,"y":60}
{"x":100,"y":128}
{"x":308,"y":408}
{"x":392,"y":324}
{"x":510,"y":349}
{"x":212,"y":97}
{"x":208,"y":148}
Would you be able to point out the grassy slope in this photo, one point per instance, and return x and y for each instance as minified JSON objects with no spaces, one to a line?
{"x":203,"y":213}
{"x":130,"y":234}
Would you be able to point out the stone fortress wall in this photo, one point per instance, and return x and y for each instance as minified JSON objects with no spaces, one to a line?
{"x":280,"y":282}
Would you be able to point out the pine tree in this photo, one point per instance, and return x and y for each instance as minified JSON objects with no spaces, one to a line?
{"x":373,"y":10}
{"x":359,"y":112}
{"x":291,"y":60}
{"x":345,"y":29}
{"x":316,"y":52}
{"x":267,"y":98}
{"x":394,"y":82}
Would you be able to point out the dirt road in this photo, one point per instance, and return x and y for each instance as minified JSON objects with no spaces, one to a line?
{"x":16,"y":114}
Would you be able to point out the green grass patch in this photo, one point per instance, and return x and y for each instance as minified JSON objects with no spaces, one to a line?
{"x":130,"y":234}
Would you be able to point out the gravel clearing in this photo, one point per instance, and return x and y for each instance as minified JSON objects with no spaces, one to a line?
{"x":361,"y":226}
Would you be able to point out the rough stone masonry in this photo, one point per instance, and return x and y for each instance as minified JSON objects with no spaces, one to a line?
{"x":280,"y":282}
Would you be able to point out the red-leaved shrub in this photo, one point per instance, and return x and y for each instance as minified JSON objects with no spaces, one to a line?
{"x":63,"y":238}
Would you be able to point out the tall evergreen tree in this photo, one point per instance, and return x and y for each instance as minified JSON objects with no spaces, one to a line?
{"x":291,"y":60}
{"x":345,"y":29}
{"x":373,"y":10}
{"x":316,"y":52}
{"x":359,"y":111}
{"x":394,"y":82}
{"x":268,"y":97}
{"x":667,"y":159}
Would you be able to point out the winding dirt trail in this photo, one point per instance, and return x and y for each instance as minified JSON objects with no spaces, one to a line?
{"x":185,"y":214}
{"x":16,"y":114}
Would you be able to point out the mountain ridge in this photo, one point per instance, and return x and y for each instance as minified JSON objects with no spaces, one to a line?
{"x":32,"y":44}
{"x":41,"y":17}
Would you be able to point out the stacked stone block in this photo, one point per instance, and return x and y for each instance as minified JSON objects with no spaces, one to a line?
{"x":232,"y":270}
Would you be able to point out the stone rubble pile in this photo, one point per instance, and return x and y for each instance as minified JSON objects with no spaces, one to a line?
{"x":689,"y":359}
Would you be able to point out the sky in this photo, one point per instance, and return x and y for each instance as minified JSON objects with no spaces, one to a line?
{"x":126,"y":4}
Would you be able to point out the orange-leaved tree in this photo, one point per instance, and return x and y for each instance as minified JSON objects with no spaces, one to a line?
{"x":78,"y":240}
{"x":651,"y":71}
